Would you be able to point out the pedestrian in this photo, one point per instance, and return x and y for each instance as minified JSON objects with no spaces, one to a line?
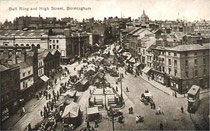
{"x":96,"y":124}
{"x":175,"y":94}
{"x":49,"y":96}
{"x":29,"y":126}
{"x":161,"y":125}
{"x":88,"y":125}
{"x":116,"y":88}
{"x":151,"y":104}
{"x":154,"y":105}
{"x":41,"y":113}
{"x":182,"y":109}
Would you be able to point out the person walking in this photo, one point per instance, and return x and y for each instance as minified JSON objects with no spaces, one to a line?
{"x":29,"y":126}
{"x":175,"y":94}
{"x":41,"y":113}
{"x":161,"y":125}
{"x":182,"y":109}
{"x":96,"y":124}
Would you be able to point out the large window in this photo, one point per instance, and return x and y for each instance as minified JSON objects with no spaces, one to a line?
{"x":169,"y":61}
{"x":204,"y":60}
{"x":196,"y":62}
{"x":175,"y":72}
{"x":186,"y":62}
{"x":169,"y":70}
{"x":196,"y":72}
{"x":175,"y":63}
{"x":187,"y":74}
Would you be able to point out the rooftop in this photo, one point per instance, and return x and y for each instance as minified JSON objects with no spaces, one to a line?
{"x":190,"y":47}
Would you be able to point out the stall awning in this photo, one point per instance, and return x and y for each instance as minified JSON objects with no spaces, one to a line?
{"x":71,"y":110}
{"x":44,"y":78}
{"x":98,"y":92}
{"x":129,"y":57}
{"x":92,"y":110}
{"x":120,"y":50}
{"x":132,"y":60}
{"x":146,"y":69}
{"x":137,"y":64}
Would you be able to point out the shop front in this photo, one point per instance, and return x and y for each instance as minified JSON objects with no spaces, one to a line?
{"x":158,"y":76}
{"x":174,"y":83}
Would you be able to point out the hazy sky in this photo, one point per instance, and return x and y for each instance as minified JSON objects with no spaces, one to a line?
{"x":155,"y":9}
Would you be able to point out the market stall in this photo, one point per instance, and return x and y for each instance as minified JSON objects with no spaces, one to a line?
{"x":93,"y":114}
{"x":72,"y":114}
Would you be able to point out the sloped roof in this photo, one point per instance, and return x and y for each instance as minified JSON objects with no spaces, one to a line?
{"x":3,"y":68}
{"x":190,"y":47}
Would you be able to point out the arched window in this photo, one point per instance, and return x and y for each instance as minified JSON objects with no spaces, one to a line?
{"x":22,"y":44}
{"x":16,"y":45}
{"x":27,"y":44}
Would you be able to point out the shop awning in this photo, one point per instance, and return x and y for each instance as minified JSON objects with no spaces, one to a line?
{"x":92,"y":110}
{"x":120,"y":50}
{"x":44,"y":78}
{"x":132,"y":60}
{"x":146,"y":69}
{"x":129,"y":57}
{"x":71,"y":110}
{"x":137,"y":64}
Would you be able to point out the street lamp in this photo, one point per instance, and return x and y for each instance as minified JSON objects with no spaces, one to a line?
{"x":121,"y":85}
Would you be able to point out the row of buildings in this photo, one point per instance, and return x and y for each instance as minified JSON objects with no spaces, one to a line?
{"x":173,"y":58}
{"x":23,"y":71}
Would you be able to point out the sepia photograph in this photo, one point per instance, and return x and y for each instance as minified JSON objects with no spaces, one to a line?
{"x":104,"y":65}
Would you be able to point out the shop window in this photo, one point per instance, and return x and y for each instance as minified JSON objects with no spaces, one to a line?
{"x":186,"y":53}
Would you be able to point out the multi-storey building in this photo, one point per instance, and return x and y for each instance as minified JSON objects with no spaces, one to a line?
{"x":69,"y":44}
{"x":182,"y":66}
{"x":9,"y":86}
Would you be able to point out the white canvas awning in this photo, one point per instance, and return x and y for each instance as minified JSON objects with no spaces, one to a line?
{"x":44,"y":78}
{"x":146,"y":69}
{"x":71,"y":110}
{"x":92,"y":110}
{"x":132,"y":60}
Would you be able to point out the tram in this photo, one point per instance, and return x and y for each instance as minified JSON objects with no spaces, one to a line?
{"x":193,"y":98}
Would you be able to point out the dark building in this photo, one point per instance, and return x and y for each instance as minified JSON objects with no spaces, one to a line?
{"x":10,"y":87}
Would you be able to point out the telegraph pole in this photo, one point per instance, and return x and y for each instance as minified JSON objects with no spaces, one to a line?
{"x":112,"y":120}
{"x":121,"y":85}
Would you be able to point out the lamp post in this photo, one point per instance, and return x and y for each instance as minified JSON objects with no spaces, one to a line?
{"x":121,"y":86}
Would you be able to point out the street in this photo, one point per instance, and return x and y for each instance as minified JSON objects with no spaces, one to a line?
{"x":172,"y":118}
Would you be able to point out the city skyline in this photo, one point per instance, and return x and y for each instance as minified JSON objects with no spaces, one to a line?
{"x":156,"y":10}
